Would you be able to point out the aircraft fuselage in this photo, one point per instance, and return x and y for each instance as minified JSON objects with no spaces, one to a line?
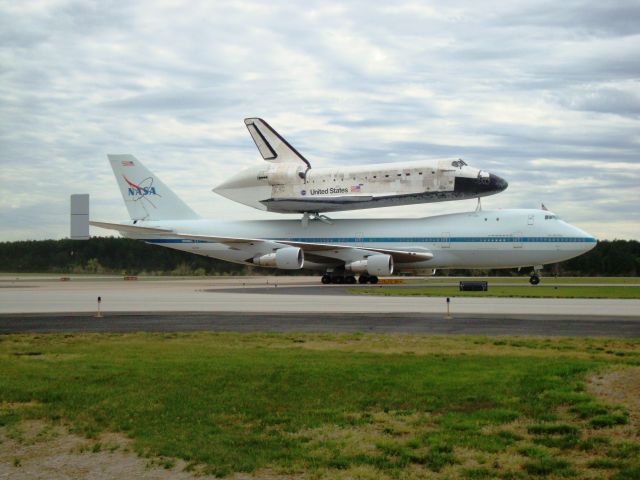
{"x":482,"y":239}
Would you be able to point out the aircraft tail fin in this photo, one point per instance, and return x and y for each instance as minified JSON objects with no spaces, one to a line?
{"x":272,"y":146}
{"x":144,"y":194}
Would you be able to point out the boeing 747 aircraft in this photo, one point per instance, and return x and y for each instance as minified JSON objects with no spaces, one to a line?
{"x":286,"y":183}
{"x":370,"y":248}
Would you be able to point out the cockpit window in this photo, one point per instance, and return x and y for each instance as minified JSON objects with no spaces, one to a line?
{"x":458,"y":163}
{"x":550,"y":217}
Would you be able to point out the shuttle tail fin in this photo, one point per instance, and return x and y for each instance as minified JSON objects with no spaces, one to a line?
{"x":272,"y":146}
{"x":144,"y":194}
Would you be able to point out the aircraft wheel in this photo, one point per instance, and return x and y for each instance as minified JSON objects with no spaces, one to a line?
{"x":373,"y":279}
{"x":534,"y":280}
{"x":326,"y":279}
{"x":339,"y":280}
{"x":350,"y":280}
{"x":363,"y":279}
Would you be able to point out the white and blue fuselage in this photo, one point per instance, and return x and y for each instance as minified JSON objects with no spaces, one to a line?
{"x":480,"y":239}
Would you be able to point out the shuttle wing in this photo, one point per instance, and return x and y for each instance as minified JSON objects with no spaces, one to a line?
{"x":313,"y":204}
{"x":272,"y":146}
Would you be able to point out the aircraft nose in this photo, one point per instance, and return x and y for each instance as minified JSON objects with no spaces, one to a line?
{"x":588,"y":241}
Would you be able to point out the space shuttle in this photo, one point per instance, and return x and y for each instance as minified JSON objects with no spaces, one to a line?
{"x":286,"y":183}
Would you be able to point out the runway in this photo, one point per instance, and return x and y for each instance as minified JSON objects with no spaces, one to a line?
{"x":462,"y":324}
{"x":295,"y":304}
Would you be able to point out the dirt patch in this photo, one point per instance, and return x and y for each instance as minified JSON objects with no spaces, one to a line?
{"x":619,"y":387}
{"x":36,"y":450}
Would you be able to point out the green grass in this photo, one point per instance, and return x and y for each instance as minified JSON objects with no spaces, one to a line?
{"x":320,"y":403}
{"x":608,"y":420}
{"x":540,"y":291}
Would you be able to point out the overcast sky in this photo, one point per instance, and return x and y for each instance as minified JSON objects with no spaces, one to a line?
{"x":545,"y":94}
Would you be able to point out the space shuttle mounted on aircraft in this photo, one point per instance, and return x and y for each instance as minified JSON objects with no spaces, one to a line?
{"x":344,"y":248}
{"x":286,"y":183}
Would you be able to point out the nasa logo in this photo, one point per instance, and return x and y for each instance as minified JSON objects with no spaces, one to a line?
{"x":142,"y":191}
{"x":303,"y":192}
{"x":142,"y":188}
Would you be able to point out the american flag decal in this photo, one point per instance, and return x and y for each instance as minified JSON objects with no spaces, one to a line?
{"x":127,"y":163}
{"x":356,"y":188}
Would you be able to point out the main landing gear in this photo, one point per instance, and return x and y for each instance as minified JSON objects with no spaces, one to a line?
{"x":327,"y":279}
{"x":366,"y":278}
{"x":535,"y":275}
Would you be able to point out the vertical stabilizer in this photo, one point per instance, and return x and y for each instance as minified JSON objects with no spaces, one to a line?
{"x":144,"y":194}
{"x":272,"y":146}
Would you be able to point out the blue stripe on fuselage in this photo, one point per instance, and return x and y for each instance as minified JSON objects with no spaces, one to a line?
{"x":355,"y":240}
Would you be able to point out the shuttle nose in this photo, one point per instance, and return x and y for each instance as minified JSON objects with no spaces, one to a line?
{"x":484,"y":183}
{"x":488,"y":183}
{"x":496,"y":183}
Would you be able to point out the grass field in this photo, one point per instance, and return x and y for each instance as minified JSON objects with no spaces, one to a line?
{"x":333,"y":406}
{"x":527,"y":291}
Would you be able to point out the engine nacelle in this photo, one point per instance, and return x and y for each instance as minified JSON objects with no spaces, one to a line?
{"x":375,"y":265}
{"x":288,"y":258}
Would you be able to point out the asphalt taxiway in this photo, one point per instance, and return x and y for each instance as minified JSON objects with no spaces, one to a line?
{"x":465,"y":324}
{"x":292,"y":304}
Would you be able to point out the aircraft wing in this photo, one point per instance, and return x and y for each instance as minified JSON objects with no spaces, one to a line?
{"x":341,"y":252}
{"x":323,"y":249}
{"x":317,"y":251}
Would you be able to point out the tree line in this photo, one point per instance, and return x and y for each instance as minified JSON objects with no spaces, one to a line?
{"x":111,"y":255}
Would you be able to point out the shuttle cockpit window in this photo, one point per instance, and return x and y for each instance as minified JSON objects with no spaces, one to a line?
{"x":550,"y":217}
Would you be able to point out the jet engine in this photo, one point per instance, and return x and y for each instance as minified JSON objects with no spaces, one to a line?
{"x":288,"y":258}
{"x":374,"y":265}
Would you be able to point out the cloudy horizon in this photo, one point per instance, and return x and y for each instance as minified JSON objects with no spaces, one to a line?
{"x":544,"y":94}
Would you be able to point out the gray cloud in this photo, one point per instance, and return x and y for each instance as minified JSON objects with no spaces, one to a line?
{"x":604,"y":100}
{"x":601,"y":19}
{"x":543,"y":93}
